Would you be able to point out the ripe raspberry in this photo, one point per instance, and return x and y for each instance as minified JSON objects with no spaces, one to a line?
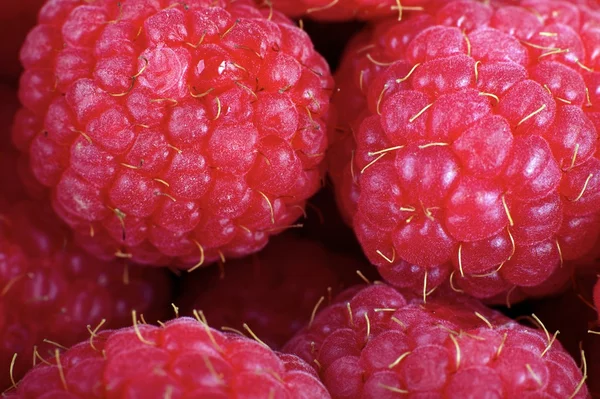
{"x":137,"y":116}
{"x":474,"y":155}
{"x":16,"y":19}
{"x":274,"y":292}
{"x":378,"y":343}
{"x":49,"y":290}
{"x":183,"y":358}
{"x":341,"y":10}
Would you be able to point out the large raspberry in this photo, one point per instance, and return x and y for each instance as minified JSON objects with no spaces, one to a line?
{"x":167,"y":130}
{"x":474,"y":155}
{"x":274,"y":291}
{"x":182,"y":359}
{"x":379,"y":343}
{"x":340,"y":10}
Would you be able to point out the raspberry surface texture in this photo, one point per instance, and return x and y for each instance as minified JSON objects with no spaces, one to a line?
{"x":377,"y":342}
{"x":274,"y":292}
{"x":465,"y":145}
{"x":343,"y":10}
{"x":182,"y":359}
{"x":49,"y":289}
{"x":170,"y":131}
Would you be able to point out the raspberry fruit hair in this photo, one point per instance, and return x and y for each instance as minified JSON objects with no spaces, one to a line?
{"x":169,"y":131}
{"x":341,"y":10}
{"x":274,"y":291}
{"x":474,"y":158}
{"x":376,"y":342}
{"x":183,"y":358}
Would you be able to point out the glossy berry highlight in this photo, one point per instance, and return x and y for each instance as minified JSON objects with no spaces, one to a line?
{"x":171,"y":132}
{"x":465,"y":145}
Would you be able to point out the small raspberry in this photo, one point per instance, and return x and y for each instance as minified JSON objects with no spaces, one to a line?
{"x":469,"y":150}
{"x":182,"y":359}
{"x":172,"y":131}
{"x":376,"y":342}
{"x":274,"y":291}
{"x":341,"y":10}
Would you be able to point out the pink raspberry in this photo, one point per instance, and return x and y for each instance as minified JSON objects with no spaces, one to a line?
{"x":173,"y":132}
{"x":274,"y":292}
{"x":181,"y":359}
{"x":49,"y":289}
{"x":379,"y":343}
{"x":340,"y":10}
{"x":466,"y":145}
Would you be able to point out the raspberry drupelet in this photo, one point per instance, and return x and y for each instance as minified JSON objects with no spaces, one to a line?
{"x":183,"y":358}
{"x":377,"y":342}
{"x":465,"y":145}
{"x":274,"y":291}
{"x":343,"y":10}
{"x":171,"y":131}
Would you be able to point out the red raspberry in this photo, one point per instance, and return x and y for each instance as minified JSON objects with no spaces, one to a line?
{"x":274,"y":291}
{"x":182,"y":359}
{"x":16,"y":19}
{"x":51,"y":290}
{"x":474,"y":155}
{"x":48,"y":288}
{"x":137,"y":116}
{"x":378,"y":343}
{"x":341,"y":10}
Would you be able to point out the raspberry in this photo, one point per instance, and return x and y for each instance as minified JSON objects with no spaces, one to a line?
{"x":274,"y":291}
{"x":183,"y":358}
{"x":51,"y":290}
{"x":469,"y":145}
{"x":137,"y":116}
{"x":341,"y":10}
{"x":377,"y":342}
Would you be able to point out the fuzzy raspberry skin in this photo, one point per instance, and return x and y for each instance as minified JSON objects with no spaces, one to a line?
{"x":476,"y":156}
{"x":273,"y":291}
{"x":375,"y":340}
{"x":136,"y":116}
{"x":185,"y":357}
{"x":49,"y":289}
{"x":344,"y":10}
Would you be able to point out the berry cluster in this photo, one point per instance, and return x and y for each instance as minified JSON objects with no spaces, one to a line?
{"x":156,"y":137}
